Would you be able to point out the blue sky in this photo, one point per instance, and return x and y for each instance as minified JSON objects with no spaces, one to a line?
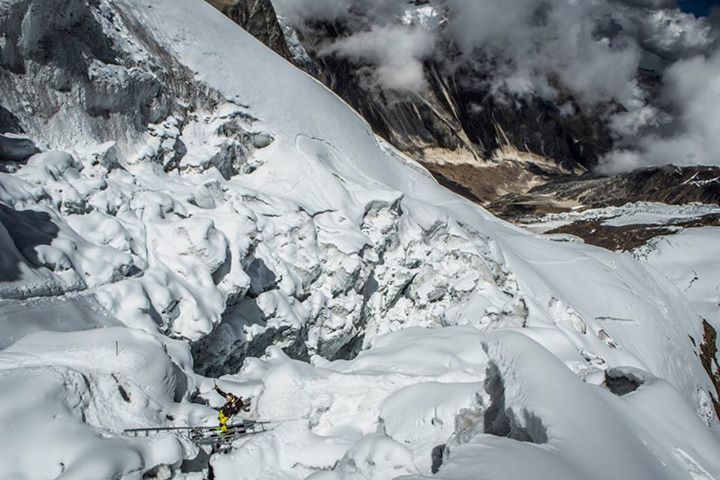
{"x":698,"y":7}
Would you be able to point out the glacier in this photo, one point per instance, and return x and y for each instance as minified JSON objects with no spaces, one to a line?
{"x":181,"y":207}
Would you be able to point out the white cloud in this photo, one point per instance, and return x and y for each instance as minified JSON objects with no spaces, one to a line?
{"x":395,"y":51}
{"x":559,"y":40}
{"x":693,"y":88}
{"x":592,"y":49}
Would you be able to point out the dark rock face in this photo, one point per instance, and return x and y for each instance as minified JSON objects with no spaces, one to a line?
{"x":709,"y":359}
{"x":8,"y":122}
{"x":16,"y":149}
{"x":573,"y":141}
{"x":258,"y":18}
{"x":454,"y":115}
{"x":412,"y":122}
{"x":56,"y":63}
{"x":457,"y":113}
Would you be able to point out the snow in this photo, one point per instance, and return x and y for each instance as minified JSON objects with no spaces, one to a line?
{"x":371,"y":402}
{"x":66,"y":398}
{"x":20,"y":318}
{"x":262,"y":219}
{"x":494,"y":408}
{"x":620,"y":434}
{"x":691,"y":261}
{"x":638,"y":213}
{"x":422,"y":15}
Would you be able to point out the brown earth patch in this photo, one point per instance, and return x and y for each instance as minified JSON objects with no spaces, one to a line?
{"x":708,"y":356}
{"x":483,"y":184}
{"x":628,"y":237}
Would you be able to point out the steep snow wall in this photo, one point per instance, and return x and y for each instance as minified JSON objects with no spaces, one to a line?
{"x":214,"y":194}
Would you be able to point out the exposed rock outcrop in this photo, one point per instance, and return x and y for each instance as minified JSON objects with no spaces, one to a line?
{"x":709,"y":359}
{"x":16,"y":149}
{"x":258,"y":18}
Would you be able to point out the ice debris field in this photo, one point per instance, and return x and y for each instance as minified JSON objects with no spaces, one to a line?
{"x":198,"y":211}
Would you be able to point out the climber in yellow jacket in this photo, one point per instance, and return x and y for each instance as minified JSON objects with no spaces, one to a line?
{"x":233,"y":406}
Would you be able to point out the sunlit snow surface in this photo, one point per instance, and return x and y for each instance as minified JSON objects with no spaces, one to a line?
{"x":485,"y":348}
{"x":691,"y":260}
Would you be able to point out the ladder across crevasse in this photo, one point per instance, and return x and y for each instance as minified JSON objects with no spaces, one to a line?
{"x":205,"y":435}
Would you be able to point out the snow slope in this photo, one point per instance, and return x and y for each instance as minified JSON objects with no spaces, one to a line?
{"x":248,"y":207}
{"x":691,"y":260}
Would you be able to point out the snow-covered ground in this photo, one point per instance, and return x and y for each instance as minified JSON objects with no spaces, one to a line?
{"x":258,"y":213}
{"x":691,"y":260}
{"x":461,"y":403}
{"x":638,"y":213}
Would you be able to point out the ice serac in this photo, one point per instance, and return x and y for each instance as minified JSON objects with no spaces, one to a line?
{"x":220,"y":203}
